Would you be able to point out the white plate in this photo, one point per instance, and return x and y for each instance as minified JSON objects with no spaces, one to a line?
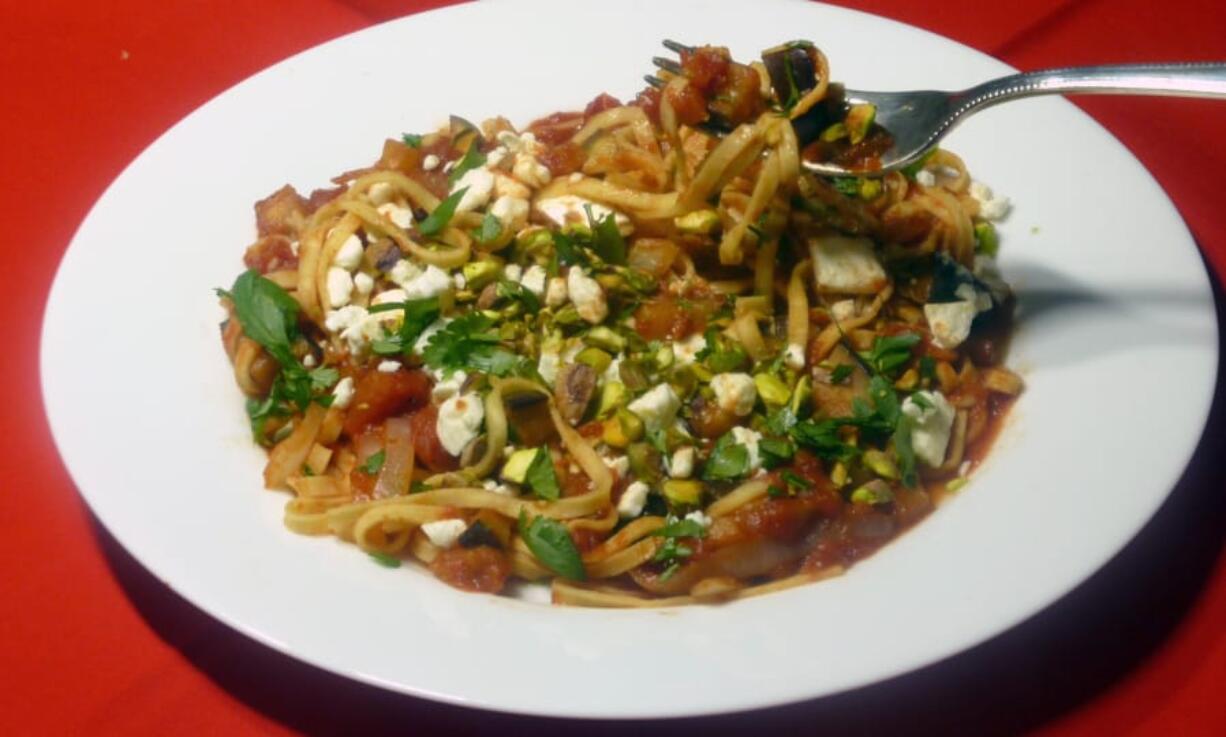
{"x":1115,"y":303}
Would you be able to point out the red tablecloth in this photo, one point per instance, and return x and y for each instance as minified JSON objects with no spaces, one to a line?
{"x":92,"y":644}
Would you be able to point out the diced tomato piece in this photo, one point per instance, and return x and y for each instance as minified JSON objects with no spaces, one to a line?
{"x":665,"y":317}
{"x":427,"y":448}
{"x":598,"y":105}
{"x":482,"y":569}
{"x":563,"y":159}
{"x":705,"y":67}
{"x":649,"y":100}
{"x":556,"y":128}
{"x":688,"y":104}
{"x":379,"y":395}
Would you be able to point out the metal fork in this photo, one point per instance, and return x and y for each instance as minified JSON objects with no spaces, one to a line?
{"x":918,"y":120}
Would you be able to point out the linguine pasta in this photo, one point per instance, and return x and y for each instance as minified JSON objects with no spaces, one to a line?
{"x":615,"y":352}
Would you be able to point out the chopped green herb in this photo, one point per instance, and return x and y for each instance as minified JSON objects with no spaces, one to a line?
{"x":437,"y":220}
{"x":607,"y":240}
{"x":905,"y":451}
{"x":517,"y":292}
{"x":468,"y":342}
{"x":729,"y":460}
{"x":794,"y":480}
{"x":927,"y":368}
{"x":776,"y":451}
{"x":551,"y":543}
{"x":849,"y":186}
{"x":419,"y":314}
{"x":491,"y":229}
{"x":890,"y":353}
{"x":373,"y":463}
{"x":383,"y":559}
{"x":412,"y":140}
{"x":471,"y":160}
{"x":541,"y":477}
{"x":840,"y":373}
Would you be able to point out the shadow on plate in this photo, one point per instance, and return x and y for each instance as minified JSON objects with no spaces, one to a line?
{"x":1054,"y":662}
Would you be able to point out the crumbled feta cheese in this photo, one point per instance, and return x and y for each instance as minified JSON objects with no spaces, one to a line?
{"x":459,"y":280}
{"x":734,"y":393}
{"x":401,"y":216}
{"x":700,"y":518}
{"x":479,"y":182}
{"x":632,"y":500}
{"x":403,"y":271}
{"x":571,"y":210}
{"x":430,"y":163}
{"x":497,"y":488}
{"x":293,"y":247}
{"x":340,"y":287}
{"x":587,"y":294}
{"x":926,"y":178}
{"x":619,"y":465}
{"x":576,"y":177}
{"x":968,"y":293}
{"x":309,"y":360}
{"x":847,"y":265}
{"x":534,"y":280}
{"x":950,"y":322}
{"x":844,"y":309}
{"x":657,"y":407}
{"x":389,"y":366}
{"x":555,"y":292}
{"x":512,"y":272}
{"x":520,"y":143}
{"x":431,"y":283}
{"x":990,"y":207}
{"x":512,"y":212}
{"x":495,"y":157}
{"x":446,"y":387}
{"x":349,"y":255}
{"x":444,"y":533}
{"x":379,"y":192}
{"x":342,"y":393}
{"x":389,"y":296}
{"x":363,"y":283}
{"x":354,"y":325}
{"x":548,"y":366}
{"x":681,"y":465}
{"x":505,"y":186}
{"x":613,"y":372}
{"x":933,"y":423}
{"x":459,"y":421}
{"x":686,"y":351}
{"x":749,"y":438}
{"x":794,"y":356}
{"x":530,"y":171}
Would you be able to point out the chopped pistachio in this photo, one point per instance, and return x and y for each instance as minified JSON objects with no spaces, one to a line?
{"x":859,"y":120}
{"x":479,"y":273}
{"x":594,"y":357}
{"x":516,"y":467}
{"x":838,"y":474}
{"x":773,"y":391}
{"x":698,"y":222}
{"x":800,"y":396}
{"x":603,"y":337}
{"x":908,"y":381}
{"x":612,"y":396}
{"x":874,"y":492}
{"x":881,"y":464}
{"x":834,"y":133}
{"x":682,"y":492}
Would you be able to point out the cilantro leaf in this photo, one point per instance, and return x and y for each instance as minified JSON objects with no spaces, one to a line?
{"x":568,"y":251}
{"x":469,"y":342}
{"x":673,"y":553}
{"x":794,"y":480}
{"x":471,"y":160}
{"x":607,"y":240}
{"x":775,"y":451}
{"x":373,"y":463}
{"x":437,"y":220}
{"x":729,"y":460}
{"x":551,"y":543}
{"x":518,"y":293}
{"x":412,"y":140}
{"x":681,"y":528}
{"x":849,"y":186}
{"x":324,"y":377}
{"x":268,"y":314}
{"x":890,"y":353}
{"x":541,"y":477}
{"x":822,"y":438}
{"x":419,"y":314}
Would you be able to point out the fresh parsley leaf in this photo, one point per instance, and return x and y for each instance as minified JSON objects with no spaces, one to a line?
{"x":722,"y":355}
{"x":607,"y":240}
{"x":780,"y":421}
{"x":268,"y":314}
{"x":469,"y":342}
{"x":927,"y":368}
{"x":471,"y":160}
{"x":412,"y":140}
{"x":373,"y":463}
{"x":551,"y":543}
{"x":541,"y":477}
{"x":383,"y":559}
{"x":491,"y":229}
{"x":437,"y":220}
{"x":823,"y":439}
{"x":419,"y":314}
{"x":672,"y":552}
{"x":729,"y":460}
{"x":775,"y":451}
{"x":890,"y":353}
{"x":774,"y":492}
{"x":567,"y":251}
{"x":849,"y":186}
{"x":905,"y":452}
{"x":840,"y":373}
{"x":681,"y":528}
{"x":794,"y":480}
{"x":324,"y":377}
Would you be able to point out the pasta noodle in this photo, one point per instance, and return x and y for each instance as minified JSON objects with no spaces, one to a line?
{"x":612,"y":351}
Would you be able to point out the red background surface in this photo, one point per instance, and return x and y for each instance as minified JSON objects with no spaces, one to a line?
{"x":90,"y":643}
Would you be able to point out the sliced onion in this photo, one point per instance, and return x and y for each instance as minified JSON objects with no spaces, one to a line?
{"x":397,"y":471}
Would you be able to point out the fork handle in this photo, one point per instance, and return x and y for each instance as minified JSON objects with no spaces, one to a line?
{"x":1185,"y":79}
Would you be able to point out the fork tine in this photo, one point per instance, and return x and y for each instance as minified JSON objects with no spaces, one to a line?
{"x":654,"y":81}
{"x":676,"y":47}
{"x":667,"y":65}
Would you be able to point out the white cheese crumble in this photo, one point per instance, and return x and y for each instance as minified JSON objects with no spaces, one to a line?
{"x":950,"y":322}
{"x":613,"y":372}
{"x":990,"y":207}
{"x":686,"y":351}
{"x":681,"y":465}
{"x":749,"y":438}
{"x":794,"y":356}
{"x":447,"y":387}
{"x":309,"y":360}
{"x":497,"y":488}
{"x":555,"y":292}
{"x":459,"y":421}
{"x":480,"y":182}
{"x":534,"y":279}
{"x":364,"y":283}
{"x":340,"y":287}
{"x":587,"y":295}
{"x":512,"y":272}
{"x":444,"y":533}
{"x":430,"y":283}
{"x":571,"y":210}
{"x":699,"y":517}
{"x":632,"y":500}
{"x":657,"y":407}
{"x":548,"y":366}
{"x":379,"y":192}
{"x":389,"y":366}
{"x":926,"y":178}
{"x":512,"y":212}
{"x":619,"y":465}
{"x":933,"y":423}
{"x":401,"y":216}
{"x":846,"y":265}
{"x":430,"y":163}
{"x":342,"y":393}
{"x":735,"y":393}
{"x":403,"y":271}
{"x":349,"y":255}
{"x":459,"y":280}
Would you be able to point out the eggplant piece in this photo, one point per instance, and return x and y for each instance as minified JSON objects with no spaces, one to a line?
{"x":792,"y":68}
{"x":573,"y":390}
